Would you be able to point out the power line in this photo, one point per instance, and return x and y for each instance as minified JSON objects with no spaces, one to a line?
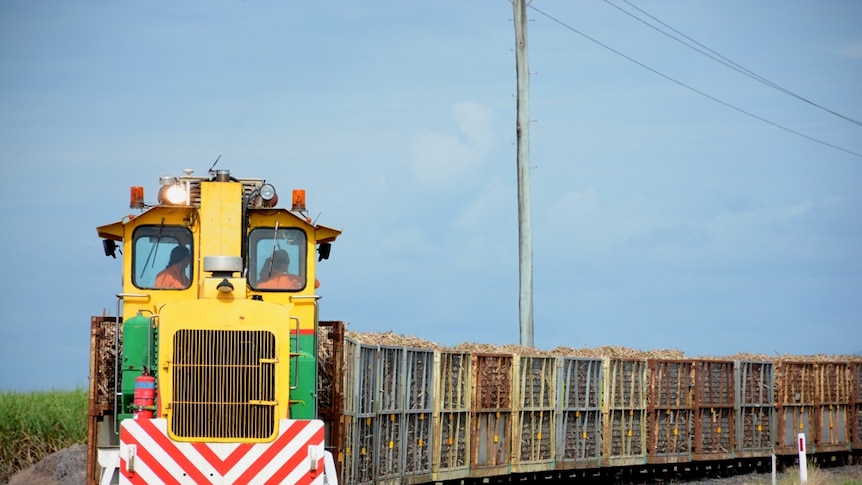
{"x":706,"y":51}
{"x":690,"y":88}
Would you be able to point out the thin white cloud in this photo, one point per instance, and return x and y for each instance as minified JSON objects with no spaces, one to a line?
{"x":758,"y":233}
{"x":798,"y":210}
{"x":490,"y":205}
{"x":404,"y":239}
{"x":485,"y":230}
{"x":594,"y":223}
{"x":853,"y":50}
{"x":443,"y":160}
{"x":790,"y":233}
{"x":765,"y":220}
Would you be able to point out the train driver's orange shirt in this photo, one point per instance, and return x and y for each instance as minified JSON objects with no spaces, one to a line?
{"x":172,"y":277}
{"x":282,"y":281}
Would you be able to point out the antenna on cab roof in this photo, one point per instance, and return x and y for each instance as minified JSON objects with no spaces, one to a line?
{"x":210,"y":171}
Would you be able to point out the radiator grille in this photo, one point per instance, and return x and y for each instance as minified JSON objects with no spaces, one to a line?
{"x":223,"y":384}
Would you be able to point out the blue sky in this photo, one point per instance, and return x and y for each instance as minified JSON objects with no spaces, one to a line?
{"x":661,"y":218}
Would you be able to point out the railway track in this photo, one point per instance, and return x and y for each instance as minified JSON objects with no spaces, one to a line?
{"x":840,"y":468}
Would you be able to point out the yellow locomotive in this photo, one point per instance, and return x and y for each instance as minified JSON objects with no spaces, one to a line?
{"x":214,"y":347}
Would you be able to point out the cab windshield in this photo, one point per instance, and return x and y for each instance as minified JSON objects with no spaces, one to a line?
{"x":277,"y":259}
{"x":162,"y":257}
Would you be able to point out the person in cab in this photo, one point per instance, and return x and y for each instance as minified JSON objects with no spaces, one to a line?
{"x":174,"y":276}
{"x":274,"y":275}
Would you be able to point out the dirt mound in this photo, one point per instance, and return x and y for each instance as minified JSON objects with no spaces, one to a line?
{"x":65,"y":467}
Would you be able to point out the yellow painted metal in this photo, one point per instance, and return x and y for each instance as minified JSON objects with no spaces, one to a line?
{"x":111,"y":231}
{"x":325,"y":234}
{"x":209,"y":288}
{"x":223,"y":364}
{"x":220,"y":219}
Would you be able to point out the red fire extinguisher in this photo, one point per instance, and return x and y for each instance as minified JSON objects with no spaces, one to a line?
{"x":145,"y":397}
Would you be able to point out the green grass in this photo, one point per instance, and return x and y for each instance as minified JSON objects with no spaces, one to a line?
{"x":35,"y":424}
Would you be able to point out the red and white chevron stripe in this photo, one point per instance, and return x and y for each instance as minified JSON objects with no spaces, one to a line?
{"x":149,"y":456}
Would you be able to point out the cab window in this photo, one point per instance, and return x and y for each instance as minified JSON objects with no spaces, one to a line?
{"x":162,"y":257}
{"x":277,"y":259}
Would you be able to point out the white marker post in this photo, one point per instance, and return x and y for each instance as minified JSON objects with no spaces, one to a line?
{"x":803,"y":463}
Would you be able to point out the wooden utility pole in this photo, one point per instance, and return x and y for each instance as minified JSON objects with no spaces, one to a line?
{"x":525,"y":241}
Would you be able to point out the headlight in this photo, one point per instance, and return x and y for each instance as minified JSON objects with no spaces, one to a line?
{"x":175,"y":194}
{"x":268,"y":196}
{"x":172,"y":191}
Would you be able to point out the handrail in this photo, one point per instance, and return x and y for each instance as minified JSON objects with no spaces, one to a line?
{"x":117,"y":357}
{"x":294,"y":385}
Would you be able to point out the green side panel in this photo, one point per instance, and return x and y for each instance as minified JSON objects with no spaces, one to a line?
{"x":136,"y":341}
{"x":303,"y":375}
